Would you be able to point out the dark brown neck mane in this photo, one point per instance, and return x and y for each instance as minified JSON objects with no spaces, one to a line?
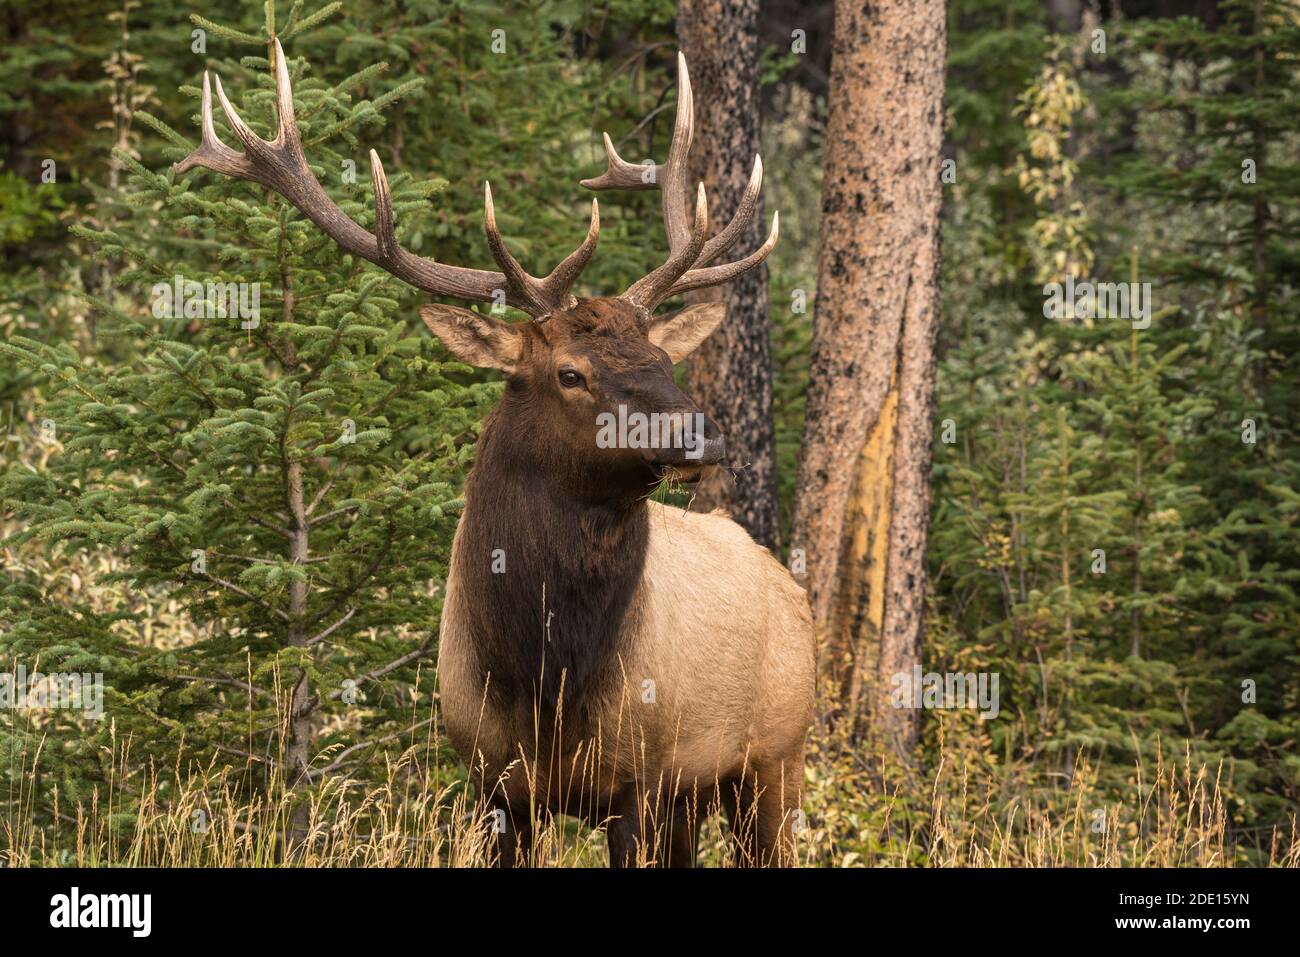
{"x":574,"y":553}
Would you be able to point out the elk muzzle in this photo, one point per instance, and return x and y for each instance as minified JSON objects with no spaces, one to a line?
{"x":701,"y":444}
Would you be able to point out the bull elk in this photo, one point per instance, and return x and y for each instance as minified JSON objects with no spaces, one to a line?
{"x":601,"y":655}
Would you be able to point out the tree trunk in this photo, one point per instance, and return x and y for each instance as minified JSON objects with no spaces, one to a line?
{"x":862,"y":509}
{"x":298,"y":754}
{"x":730,"y":376}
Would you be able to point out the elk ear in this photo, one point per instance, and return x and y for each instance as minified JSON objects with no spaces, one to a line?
{"x":477,"y":339}
{"x":680,"y":333}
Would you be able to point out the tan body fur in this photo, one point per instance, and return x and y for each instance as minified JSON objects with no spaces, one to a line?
{"x":723,"y":632}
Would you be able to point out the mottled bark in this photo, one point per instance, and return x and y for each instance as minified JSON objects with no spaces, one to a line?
{"x":862,"y":508}
{"x":730,"y":375}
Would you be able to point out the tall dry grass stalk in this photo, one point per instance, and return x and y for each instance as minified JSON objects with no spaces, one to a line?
{"x":860,"y":810}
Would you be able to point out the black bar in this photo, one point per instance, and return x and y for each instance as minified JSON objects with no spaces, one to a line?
{"x":366,"y":907}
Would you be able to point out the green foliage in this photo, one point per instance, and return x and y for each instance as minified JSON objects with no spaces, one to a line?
{"x":287,"y":480}
{"x":25,"y":209}
{"x":1078,"y":437}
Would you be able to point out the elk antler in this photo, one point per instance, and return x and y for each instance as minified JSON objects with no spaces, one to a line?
{"x":689,"y":254}
{"x":281,"y":165}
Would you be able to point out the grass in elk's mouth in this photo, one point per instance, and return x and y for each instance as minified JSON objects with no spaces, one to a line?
{"x":677,"y":475}
{"x":674,"y":489}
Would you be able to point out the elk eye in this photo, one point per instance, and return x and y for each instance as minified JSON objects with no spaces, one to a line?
{"x":570,"y":379}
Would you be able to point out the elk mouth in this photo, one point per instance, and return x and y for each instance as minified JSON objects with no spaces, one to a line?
{"x":679,"y":467}
{"x":685,"y":473}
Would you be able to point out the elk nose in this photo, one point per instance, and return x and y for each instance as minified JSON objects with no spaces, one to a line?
{"x":715,"y":443}
{"x":713,"y":450}
{"x":701,"y":445}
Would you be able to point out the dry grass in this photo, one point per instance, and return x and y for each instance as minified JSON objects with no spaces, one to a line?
{"x":861,"y":810}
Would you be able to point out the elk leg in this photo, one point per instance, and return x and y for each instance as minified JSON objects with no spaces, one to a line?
{"x":625,"y":831}
{"x":762,"y":808}
{"x":780,"y":790}
{"x":511,"y":830}
{"x":737,"y":799}
{"x":683,"y":833}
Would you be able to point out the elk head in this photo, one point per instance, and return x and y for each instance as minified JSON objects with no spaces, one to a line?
{"x":578,"y":361}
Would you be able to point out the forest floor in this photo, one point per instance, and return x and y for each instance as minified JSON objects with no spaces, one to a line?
{"x":860,"y":811}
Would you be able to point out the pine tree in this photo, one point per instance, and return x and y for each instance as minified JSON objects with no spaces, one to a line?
{"x":287,"y":471}
{"x":1214,"y":108}
{"x":1115,"y":520}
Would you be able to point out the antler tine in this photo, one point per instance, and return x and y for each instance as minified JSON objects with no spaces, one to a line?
{"x":286,"y":134}
{"x":674,"y":189}
{"x":515,"y":275}
{"x":281,"y":165}
{"x":653,"y":289}
{"x":688,"y":252}
{"x":561,"y":279}
{"x":542,"y":296}
{"x":670,"y":177}
{"x":740,"y":220}
{"x":211,"y":152}
{"x":716,"y":275}
{"x":253,"y":144}
{"x":385,"y":227}
{"x":620,"y":174}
